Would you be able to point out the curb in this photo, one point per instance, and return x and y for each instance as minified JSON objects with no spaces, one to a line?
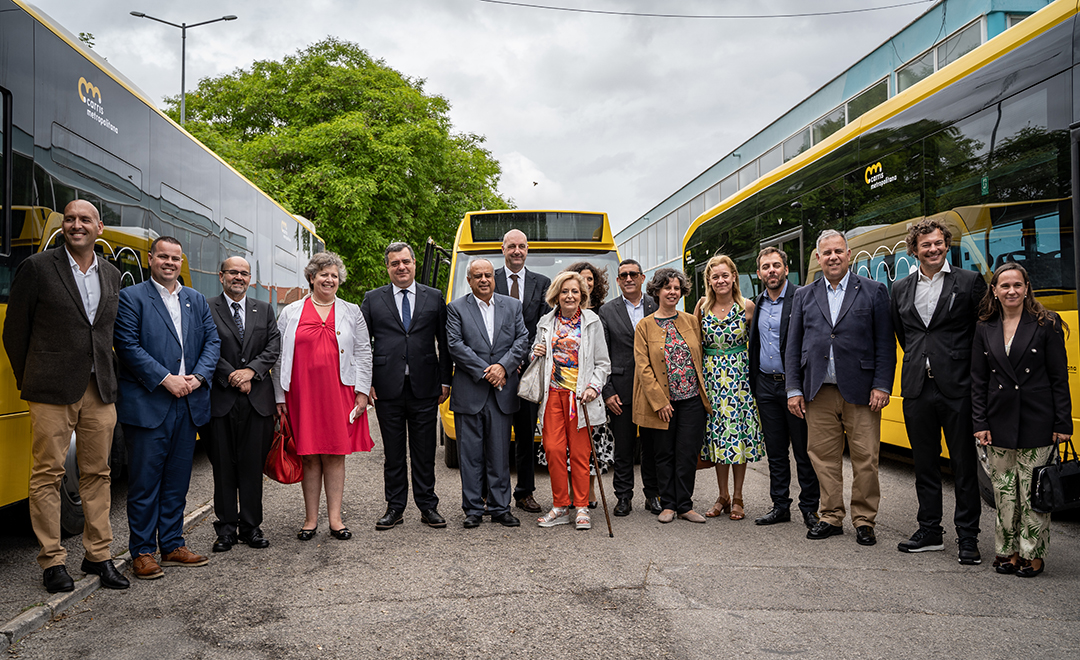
{"x":36,"y":617}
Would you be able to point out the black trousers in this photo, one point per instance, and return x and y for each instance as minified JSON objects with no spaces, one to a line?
{"x":524,"y":449}
{"x":677,"y":449}
{"x":627,"y":435}
{"x":408,"y":423}
{"x":926,"y":417}
{"x":237,"y":445}
{"x":784,"y":431}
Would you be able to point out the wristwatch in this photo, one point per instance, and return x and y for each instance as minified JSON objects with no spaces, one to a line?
{"x":202,"y":381}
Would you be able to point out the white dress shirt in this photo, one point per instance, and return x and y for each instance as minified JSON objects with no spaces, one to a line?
{"x":410,"y":291}
{"x":487,"y":312}
{"x":172,"y":303}
{"x":521,"y":284}
{"x":636,"y":312}
{"x":836,"y":301}
{"x":927,"y":292}
{"x":89,"y":285}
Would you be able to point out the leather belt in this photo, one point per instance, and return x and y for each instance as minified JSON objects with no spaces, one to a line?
{"x":777,"y":377}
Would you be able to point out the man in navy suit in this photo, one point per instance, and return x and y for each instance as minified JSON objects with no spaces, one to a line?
{"x":168,"y":347}
{"x":840,"y":335}
{"x":410,"y":378}
{"x":530,"y":289}
{"x":488,"y":340}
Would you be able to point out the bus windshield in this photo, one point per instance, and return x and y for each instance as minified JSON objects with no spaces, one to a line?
{"x":539,"y":261}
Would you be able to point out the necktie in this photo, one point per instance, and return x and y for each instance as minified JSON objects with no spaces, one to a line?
{"x":239,"y":319}
{"x":514,"y":291}
{"x":406,"y":313}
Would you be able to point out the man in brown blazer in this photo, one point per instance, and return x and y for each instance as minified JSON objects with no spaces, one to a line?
{"x":58,"y":335}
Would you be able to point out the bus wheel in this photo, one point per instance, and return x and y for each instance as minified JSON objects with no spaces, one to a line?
{"x":450,"y":450}
{"x":71,"y":508}
{"x":986,"y":489}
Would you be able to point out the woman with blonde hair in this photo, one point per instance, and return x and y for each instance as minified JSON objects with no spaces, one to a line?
{"x":733,"y":430}
{"x":570,"y":339}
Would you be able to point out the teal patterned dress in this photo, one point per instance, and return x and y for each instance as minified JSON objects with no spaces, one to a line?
{"x":733,"y":431}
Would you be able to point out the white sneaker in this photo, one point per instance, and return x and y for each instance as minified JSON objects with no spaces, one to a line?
{"x":582,"y":521}
{"x":559,"y":515}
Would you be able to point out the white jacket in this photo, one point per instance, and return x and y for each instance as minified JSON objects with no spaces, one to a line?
{"x":593,"y":363}
{"x":354,"y":346}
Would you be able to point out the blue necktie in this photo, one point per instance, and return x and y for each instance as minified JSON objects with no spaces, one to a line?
{"x":238,"y":319}
{"x":406,"y":313}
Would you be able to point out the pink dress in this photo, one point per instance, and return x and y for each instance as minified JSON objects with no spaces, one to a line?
{"x":319,"y":404}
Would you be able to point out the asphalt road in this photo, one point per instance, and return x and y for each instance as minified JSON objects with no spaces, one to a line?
{"x":723,"y":589}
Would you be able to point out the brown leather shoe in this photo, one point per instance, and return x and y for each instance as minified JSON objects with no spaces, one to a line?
{"x":529,"y":504}
{"x":146,"y":567}
{"x":183,"y":557}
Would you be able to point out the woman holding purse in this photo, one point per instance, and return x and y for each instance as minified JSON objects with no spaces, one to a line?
{"x":576,"y":366}
{"x":1021,"y":410}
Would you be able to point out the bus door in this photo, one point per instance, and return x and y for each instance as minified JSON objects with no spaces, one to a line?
{"x":6,"y":171}
{"x":1074,"y":140}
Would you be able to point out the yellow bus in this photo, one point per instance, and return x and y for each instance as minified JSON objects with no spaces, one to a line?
{"x":73,"y":127}
{"x":988,"y":144}
{"x":557,"y":239}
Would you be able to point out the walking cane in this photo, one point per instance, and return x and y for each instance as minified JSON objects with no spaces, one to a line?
{"x":596,"y":466}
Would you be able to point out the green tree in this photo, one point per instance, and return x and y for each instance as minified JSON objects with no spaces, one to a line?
{"x":344,"y":140}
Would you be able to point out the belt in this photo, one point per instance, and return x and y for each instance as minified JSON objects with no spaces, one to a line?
{"x":717,"y":352}
{"x":929,"y":372}
{"x":777,"y":377}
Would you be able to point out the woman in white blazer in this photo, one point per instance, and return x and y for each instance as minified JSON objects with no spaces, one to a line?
{"x":321,"y":381}
{"x":570,"y":340}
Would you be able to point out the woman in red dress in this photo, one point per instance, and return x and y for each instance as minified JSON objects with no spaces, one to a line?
{"x":321,"y":381}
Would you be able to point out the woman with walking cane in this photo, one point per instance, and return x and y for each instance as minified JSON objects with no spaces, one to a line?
{"x":575,"y":369}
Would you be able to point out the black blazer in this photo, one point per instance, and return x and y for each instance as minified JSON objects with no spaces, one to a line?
{"x":259,"y":352}
{"x":755,"y":337}
{"x":1022,"y":398}
{"x":862,"y":340}
{"x":533,"y":306}
{"x":428,"y":370}
{"x":48,"y":337}
{"x":947,"y":340}
{"x":620,"y":341}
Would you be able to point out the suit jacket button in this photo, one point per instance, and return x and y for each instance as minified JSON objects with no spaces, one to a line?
{"x":999,"y":387}
{"x":993,"y":371}
{"x":1027,"y":371}
{"x":833,"y":336}
{"x":242,"y":360}
{"x":1016,"y":386}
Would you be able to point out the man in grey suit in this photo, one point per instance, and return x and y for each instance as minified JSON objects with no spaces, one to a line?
{"x":620,"y":317}
{"x":486,"y":336}
{"x":530,"y":289}
{"x":934,"y":311}
{"x":58,"y":336}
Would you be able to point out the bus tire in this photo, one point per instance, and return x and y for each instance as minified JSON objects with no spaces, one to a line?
{"x":450,"y":451}
{"x":71,"y":508}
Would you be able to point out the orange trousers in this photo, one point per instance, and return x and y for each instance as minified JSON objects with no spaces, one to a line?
{"x":559,"y":431}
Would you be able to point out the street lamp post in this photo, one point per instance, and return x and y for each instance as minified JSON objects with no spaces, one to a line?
{"x":183,"y":49}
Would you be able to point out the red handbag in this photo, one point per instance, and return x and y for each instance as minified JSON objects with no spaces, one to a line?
{"x":282,"y":463}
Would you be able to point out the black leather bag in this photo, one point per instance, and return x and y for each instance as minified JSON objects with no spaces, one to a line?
{"x":1056,"y":485}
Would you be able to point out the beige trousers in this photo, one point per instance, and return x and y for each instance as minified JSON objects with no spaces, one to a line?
{"x":92,"y":420}
{"x":829,"y":419}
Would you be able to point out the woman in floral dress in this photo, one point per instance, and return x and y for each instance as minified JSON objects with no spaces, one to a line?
{"x":733,"y":430}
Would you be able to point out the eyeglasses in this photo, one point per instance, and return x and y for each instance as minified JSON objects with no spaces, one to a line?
{"x":628,"y":275}
{"x":234,"y":273}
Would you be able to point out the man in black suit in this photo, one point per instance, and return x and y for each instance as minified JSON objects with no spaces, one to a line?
{"x":934,"y":311}
{"x":410,"y":378}
{"x":529,"y":289}
{"x":241,"y":427}
{"x":841,"y":337}
{"x":58,"y":336}
{"x":785,"y":434}
{"x":620,"y":317}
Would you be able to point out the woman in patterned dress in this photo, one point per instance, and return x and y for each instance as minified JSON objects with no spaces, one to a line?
{"x":1021,"y":410}
{"x":733,"y":430}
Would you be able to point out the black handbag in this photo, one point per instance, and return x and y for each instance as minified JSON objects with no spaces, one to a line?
{"x":1055,"y":486}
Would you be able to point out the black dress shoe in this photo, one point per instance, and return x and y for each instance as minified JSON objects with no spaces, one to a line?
{"x":307,"y":534}
{"x":224,"y":543}
{"x":776,"y":515}
{"x":864,"y":535}
{"x":391,"y":518}
{"x":1027,"y":571}
{"x":623,"y":507}
{"x":811,"y":519}
{"x":342,"y":534}
{"x":106,"y":570}
{"x":652,"y":505}
{"x":593,"y":505}
{"x":431,"y":518}
{"x":823,"y":530}
{"x":56,"y":579}
{"x":255,"y":540}
{"x":472,"y":521}
{"x":506,"y":520}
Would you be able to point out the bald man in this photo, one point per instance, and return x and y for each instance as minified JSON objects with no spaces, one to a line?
{"x":58,"y":335}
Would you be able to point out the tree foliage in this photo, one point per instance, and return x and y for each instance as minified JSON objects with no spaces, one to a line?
{"x":353,"y":145}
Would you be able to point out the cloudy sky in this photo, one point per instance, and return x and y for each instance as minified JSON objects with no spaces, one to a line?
{"x":603,"y":112}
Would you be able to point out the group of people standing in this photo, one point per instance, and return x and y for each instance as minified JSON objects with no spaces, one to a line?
{"x":799,"y":371}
